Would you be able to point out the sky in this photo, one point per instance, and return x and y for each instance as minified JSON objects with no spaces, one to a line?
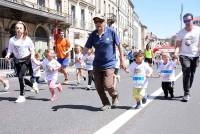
{"x":162,"y":17}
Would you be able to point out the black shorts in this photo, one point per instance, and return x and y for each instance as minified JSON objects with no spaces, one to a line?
{"x":148,"y":60}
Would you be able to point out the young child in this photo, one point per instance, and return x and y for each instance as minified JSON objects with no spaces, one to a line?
{"x":36,"y":64}
{"x":89,"y":58}
{"x":5,"y":83}
{"x":140,"y":70}
{"x":51,"y":67}
{"x":79,"y":63}
{"x":167,"y":72}
{"x":117,"y":67}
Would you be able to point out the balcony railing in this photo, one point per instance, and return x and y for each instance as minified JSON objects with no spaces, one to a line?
{"x":32,"y":5}
{"x":37,"y":6}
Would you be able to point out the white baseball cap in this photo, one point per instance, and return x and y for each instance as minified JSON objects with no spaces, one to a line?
{"x":99,"y":17}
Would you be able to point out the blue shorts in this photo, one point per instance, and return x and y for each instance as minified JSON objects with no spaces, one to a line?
{"x":64,"y":62}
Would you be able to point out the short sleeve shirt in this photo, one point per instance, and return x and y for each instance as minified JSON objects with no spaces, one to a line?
{"x":62,"y":45}
{"x":190,"y":41}
{"x":167,"y":71}
{"x":105,"y":53}
{"x":138,"y":73}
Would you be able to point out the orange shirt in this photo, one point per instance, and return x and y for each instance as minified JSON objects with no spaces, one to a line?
{"x":61,"y":46}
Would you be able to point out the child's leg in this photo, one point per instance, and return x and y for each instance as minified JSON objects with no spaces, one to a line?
{"x":90,"y":77}
{"x":82,"y":75}
{"x":34,"y":84}
{"x":56,"y":86}
{"x":136,"y":96}
{"x":165,"y":90}
{"x":52,"y":90}
{"x":78,"y":75}
{"x":5,"y":83}
{"x":171,"y":89}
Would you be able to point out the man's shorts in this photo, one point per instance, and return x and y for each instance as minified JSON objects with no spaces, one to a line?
{"x":64,"y":62}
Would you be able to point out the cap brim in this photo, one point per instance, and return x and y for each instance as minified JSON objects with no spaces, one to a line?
{"x":98,"y":18}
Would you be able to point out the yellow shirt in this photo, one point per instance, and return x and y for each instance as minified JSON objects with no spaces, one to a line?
{"x":148,"y":53}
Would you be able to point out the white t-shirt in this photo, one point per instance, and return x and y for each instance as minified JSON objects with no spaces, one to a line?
{"x":139,"y":73}
{"x":89,"y":61}
{"x":81,"y":63}
{"x":190,"y":42}
{"x":36,"y":68}
{"x":21,"y":47}
{"x":167,"y":71}
{"x":48,"y":65}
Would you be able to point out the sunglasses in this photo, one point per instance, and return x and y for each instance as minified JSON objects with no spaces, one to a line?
{"x":187,"y":21}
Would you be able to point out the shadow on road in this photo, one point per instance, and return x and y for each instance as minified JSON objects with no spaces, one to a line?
{"x":83,"y":107}
{"x":39,"y":99}
{"x":7,"y":98}
{"x":122,"y":107}
{"x":176,"y":98}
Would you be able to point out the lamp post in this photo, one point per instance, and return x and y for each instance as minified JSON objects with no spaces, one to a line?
{"x":181,"y":15}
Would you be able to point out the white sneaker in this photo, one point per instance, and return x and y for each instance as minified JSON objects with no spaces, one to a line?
{"x":6,"y":85}
{"x":20,"y":99}
{"x":88,"y":87}
{"x":35,"y":88}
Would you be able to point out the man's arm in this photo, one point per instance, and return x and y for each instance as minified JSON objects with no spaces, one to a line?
{"x":68,"y":44}
{"x":177,"y":47}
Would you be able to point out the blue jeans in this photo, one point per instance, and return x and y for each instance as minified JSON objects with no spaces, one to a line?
{"x":189,"y":65}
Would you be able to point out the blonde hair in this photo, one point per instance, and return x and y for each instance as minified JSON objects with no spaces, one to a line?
{"x":166,"y":54}
{"x":46,"y":52}
{"x":25,"y":28}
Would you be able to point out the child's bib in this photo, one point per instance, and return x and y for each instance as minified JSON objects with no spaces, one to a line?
{"x":138,"y":81}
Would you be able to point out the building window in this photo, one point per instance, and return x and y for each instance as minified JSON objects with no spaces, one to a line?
{"x":99,"y":6}
{"x":59,"y":5}
{"x":41,"y":3}
{"x":104,"y":7}
{"x":73,"y":13}
{"x":109,"y":8}
{"x":82,"y":18}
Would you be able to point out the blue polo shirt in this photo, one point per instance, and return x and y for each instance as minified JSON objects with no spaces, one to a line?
{"x":105,"y":53}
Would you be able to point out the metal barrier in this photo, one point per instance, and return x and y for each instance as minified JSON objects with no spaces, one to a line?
{"x":7,"y":68}
{"x":6,"y":65}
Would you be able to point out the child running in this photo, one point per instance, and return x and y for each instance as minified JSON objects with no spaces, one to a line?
{"x":89,"y":58}
{"x":117,"y":67}
{"x":51,"y":67}
{"x":139,"y":70}
{"x":167,"y":73}
{"x":36,"y":64}
{"x":79,"y":64}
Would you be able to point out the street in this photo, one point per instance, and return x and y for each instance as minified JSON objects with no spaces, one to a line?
{"x":77,"y":110}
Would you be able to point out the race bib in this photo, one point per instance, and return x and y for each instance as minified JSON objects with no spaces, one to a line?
{"x":138,"y":81}
{"x":166,"y":71}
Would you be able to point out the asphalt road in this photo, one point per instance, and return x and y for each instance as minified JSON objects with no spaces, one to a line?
{"x":77,"y":110}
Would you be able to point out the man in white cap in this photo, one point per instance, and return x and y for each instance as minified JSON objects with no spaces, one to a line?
{"x":104,"y":40}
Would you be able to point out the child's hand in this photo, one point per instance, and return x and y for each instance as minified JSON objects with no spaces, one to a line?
{"x":126,"y":70}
